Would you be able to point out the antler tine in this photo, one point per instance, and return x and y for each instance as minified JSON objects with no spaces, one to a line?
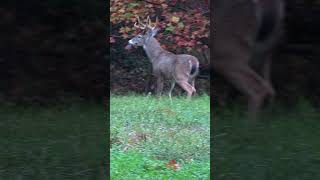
{"x":135,"y":25}
{"x":155,"y":24}
{"x":140,"y":27}
{"x":144,"y":26}
{"x":148,"y":22}
{"x":139,"y":20}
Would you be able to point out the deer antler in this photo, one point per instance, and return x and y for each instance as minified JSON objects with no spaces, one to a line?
{"x":150,"y":24}
{"x":139,"y":26}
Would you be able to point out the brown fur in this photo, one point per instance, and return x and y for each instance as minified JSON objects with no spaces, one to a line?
{"x":237,"y":24}
{"x":169,"y":66}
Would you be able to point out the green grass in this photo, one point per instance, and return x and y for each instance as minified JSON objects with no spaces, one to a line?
{"x":146,"y":133}
{"x":56,"y":142}
{"x":68,"y":141}
{"x":283,"y":145}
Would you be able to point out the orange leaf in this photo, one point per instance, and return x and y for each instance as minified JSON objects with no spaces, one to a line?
{"x":173,"y":165}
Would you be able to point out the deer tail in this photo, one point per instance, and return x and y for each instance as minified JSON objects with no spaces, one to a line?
{"x":194,"y":69}
{"x":268,"y":13}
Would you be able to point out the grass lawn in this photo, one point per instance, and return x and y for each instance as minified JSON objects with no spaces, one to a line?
{"x":147,"y":133}
{"x":285,"y":145}
{"x":68,"y":141}
{"x":56,"y":142}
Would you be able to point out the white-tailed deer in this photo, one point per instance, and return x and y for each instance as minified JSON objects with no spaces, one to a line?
{"x":181,"y":68}
{"x":244,"y":35}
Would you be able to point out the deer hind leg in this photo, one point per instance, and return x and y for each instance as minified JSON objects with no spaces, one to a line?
{"x":192,"y":84}
{"x":187,"y":87}
{"x":250,"y":84}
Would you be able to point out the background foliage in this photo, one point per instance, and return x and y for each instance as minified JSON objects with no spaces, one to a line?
{"x":56,"y":48}
{"x":184,"y":25}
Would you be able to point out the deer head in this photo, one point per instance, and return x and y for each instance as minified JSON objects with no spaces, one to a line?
{"x":148,"y":31}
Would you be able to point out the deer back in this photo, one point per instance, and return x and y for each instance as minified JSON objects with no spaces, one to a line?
{"x":240,"y":28}
{"x":170,"y":65}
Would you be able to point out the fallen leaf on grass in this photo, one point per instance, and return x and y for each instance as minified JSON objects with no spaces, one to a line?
{"x":173,"y":165}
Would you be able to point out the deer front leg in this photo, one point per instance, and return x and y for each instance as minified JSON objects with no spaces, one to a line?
{"x":249,"y":83}
{"x":192,"y":84}
{"x":159,"y":85}
{"x":170,"y":91}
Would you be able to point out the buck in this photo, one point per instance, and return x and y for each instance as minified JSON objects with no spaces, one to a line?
{"x":181,"y":69}
{"x":244,"y":36}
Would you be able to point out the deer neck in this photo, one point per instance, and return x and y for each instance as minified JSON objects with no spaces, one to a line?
{"x":153,"y":49}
